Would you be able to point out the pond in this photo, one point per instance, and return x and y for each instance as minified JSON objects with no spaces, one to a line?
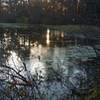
{"x":58,"y":56}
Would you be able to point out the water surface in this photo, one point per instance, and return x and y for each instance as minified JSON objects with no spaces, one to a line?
{"x":70,"y":55}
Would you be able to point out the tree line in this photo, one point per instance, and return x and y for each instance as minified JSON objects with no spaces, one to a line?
{"x":45,"y":12}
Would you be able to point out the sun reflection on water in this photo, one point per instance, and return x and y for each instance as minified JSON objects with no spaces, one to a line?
{"x":48,"y":37}
{"x":14,"y":60}
{"x":62,"y":34}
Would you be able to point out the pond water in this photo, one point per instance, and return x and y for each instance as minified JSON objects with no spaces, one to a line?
{"x":63,"y":52}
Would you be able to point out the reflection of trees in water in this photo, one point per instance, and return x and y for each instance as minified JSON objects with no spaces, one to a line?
{"x":28,"y":85}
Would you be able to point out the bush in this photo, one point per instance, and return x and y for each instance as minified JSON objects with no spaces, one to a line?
{"x":22,"y":19}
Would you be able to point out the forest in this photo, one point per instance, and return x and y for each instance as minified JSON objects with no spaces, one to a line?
{"x":50,"y":11}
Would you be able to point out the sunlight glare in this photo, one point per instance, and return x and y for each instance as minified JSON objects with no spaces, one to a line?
{"x":48,"y":37}
{"x":14,"y":61}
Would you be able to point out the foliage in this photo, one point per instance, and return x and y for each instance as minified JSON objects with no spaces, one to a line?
{"x":54,"y":12}
{"x":22,"y":20}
